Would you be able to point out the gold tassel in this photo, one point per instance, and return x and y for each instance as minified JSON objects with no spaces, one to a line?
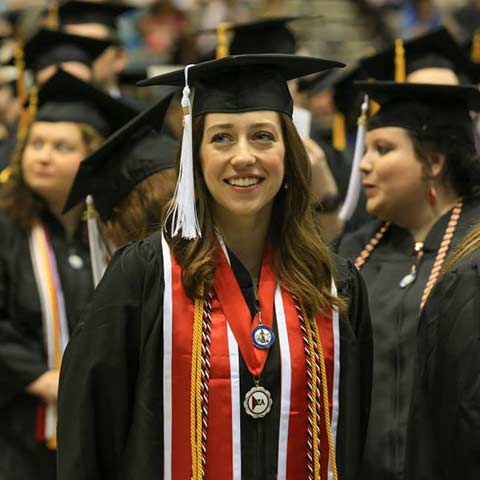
{"x":400,"y":68}
{"x":5,"y":174}
{"x":20,"y":66}
{"x":339,"y":140}
{"x":53,"y":22}
{"x":475,"y":51}
{"x":222,"y":41}
{"x":27,"y":114}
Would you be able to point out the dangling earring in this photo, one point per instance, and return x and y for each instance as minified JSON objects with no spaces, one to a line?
{"x":285,"y":182}
{"x":433,"y":196}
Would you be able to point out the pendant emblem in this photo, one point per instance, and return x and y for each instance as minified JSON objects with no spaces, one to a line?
{"x":407,"y":280}
{"x":258,"y":402}
{"x":75,"y":261}
{"x":263,"y":337}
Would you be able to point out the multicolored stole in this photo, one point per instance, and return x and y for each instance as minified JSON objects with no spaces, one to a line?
{"x":302,"y":453}
{"x":55,"y":325}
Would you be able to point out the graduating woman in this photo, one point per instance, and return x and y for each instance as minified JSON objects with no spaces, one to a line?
{"x":44,"y":267}
{"x":444,"y":424}
{"x":233,"y":345}
{"x":420,"y":172}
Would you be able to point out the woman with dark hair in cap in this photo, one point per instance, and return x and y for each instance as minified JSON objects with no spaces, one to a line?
{"x":45,"y":277}
{"x":230,"y":344}
{"x":420,"y":176}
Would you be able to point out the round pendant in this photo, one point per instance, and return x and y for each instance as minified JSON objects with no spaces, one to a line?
{"x":75,"y":261}
{"x":407,"y":280}
{"x":263,"y":336}
{"x":258,"y":402}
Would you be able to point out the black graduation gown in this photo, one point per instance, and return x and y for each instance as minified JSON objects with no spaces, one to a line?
{"x":394,"y":313}
{"x":22,"y":355}
{"x":110,"y":403}
{"x":443,"y":441}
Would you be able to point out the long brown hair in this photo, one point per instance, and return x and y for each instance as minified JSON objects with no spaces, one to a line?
{"x":468,"y":245}
{"x":17,"y":199}
{"x":141,"y":212}
{"x":302,"y":260}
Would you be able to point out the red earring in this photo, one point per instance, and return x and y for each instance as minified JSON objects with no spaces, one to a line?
{"x":433,"y":196}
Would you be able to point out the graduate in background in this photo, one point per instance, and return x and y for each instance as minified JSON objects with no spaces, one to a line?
{"x":444,"y":423}
{"x":45,"y":276}
{"x":420,"y":176}
{"x":130,"y":179}
{"x":98,"y":20}
{"x":215,"y":349}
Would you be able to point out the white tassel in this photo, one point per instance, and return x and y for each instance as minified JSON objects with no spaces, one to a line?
{"x":98,"y":253}
{"x":354,"y":185}
{"x":184,"y":211}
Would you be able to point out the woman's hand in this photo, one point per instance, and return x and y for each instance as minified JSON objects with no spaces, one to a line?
{"x":323,"y":183}
{"x":45,"y":386}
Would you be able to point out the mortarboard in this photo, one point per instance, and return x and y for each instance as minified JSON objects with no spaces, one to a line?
{"x":242,"y":83}
{"x":436,"y":49}
{"x":74,"y":12}
{"x":65,"y":98}
{"x":430,"y":111}
{"x":232,"y":84}
{"x":131,"y":154}
{"x":346,"y":98}
{"x":270,"y":35}
{"x":49,"y":47}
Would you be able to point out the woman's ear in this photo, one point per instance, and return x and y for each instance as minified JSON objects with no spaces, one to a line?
{"x":437,"y":164}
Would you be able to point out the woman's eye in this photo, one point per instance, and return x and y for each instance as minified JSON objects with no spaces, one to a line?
{"x":264,"y":137}
{"x":64,"y":147}
{"x":383,"y":149}
{"x":36,"y":143}
{"x":221,"y":138}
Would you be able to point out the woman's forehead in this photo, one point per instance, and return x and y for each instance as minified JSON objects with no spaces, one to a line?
{"x":242,"y":118}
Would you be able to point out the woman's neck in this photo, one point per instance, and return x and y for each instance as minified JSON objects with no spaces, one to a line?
{"x":69,"y":220}
{"x":426,"y":218}
{"x":246,"y":236}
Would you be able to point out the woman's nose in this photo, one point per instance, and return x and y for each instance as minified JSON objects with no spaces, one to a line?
{"x":365,"y":164}
{"x":243,"y":155}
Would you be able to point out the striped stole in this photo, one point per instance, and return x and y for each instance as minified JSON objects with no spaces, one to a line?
{"x":223,"y":435}
{"x":55,"y":325}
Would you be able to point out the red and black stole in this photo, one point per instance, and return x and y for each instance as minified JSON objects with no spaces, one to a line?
{"x":221,"y":434}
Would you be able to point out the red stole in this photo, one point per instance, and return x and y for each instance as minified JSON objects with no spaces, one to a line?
{"x":223,"y":413}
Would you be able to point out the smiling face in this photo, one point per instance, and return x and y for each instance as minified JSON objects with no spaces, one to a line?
{"x":393,"y":177}
{"x":51,"y":158}
{"x":242,"y":157}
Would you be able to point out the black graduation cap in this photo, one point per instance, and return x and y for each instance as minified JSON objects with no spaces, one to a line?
{"x":131,"y":154}
{"x":65,"y":98}
{"x":74,"y":12}
{"x":270,"y":35}
{"x":435,"y":49}
{"x":49,"y":47}
{"x":241,"y":83}
{"x":431,"y":111}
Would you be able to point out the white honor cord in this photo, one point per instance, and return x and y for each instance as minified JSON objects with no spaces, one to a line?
{"x":354,"y":185}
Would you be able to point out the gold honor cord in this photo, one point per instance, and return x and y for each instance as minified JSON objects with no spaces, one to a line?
{"x":195,"y":399}
{"x":325,"y":399}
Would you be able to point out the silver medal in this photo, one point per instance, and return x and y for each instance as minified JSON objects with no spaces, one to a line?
{"x":258,"y":402}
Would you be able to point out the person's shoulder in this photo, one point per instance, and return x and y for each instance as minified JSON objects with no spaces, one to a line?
{"x":9,"y":228}
{"x":129,"y":266}
{"x":346,"y":275}
{"x":353,"y":242}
